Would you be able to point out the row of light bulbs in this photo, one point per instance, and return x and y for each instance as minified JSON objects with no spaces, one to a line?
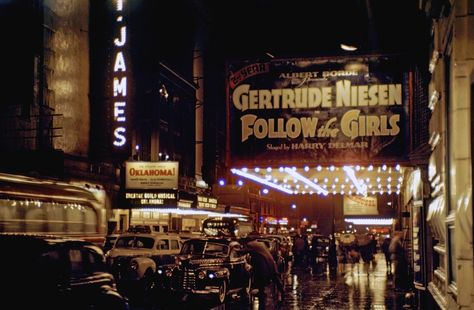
{"x":357,"y":186}
{"x":382,"y":168}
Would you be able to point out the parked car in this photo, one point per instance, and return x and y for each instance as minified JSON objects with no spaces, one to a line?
{"x":208,"y":267}
{"x":274,"y":246}
{"x":323,"y":243}
{"x":285,"y":246}
{"x":46,"y":272}
{"x":134,"y":258}
{"x":145,"y":228}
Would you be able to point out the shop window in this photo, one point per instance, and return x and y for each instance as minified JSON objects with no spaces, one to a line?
{"x":452,"y":255}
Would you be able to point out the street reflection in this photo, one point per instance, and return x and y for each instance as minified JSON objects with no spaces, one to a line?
{"x":350,"y":286}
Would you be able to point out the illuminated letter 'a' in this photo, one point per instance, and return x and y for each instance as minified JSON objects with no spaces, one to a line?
{"x":119,"y":63}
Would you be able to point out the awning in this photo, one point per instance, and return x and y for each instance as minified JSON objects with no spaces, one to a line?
{"x":325,"y":180}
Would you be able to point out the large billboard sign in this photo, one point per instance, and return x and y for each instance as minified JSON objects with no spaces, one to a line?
{"x":151,"y":175}
{"x":360,"y":205}
{"x":338,"y":110}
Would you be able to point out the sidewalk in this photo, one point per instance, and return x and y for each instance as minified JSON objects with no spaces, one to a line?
{"x":352,"y":287}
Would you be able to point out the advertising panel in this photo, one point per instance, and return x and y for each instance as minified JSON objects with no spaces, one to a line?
{"x":151,"y":198}
{"x":206,"y":202}
{"x":360,"y":205}
{"x":419,"y":268}
{"x":338,"y":110}
{"x":151,"y":175}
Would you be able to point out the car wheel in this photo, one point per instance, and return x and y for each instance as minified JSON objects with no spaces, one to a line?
{"x":222,"y":292}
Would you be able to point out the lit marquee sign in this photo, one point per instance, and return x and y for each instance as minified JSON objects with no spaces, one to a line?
{"x":120,"y":80}
{"x":148,"y":198}
{"x":318,"y":110}
{"x":204,"y":202}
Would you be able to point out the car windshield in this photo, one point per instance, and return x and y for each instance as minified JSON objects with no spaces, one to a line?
{"x":135,"y":242}
{"x":204,"y":247}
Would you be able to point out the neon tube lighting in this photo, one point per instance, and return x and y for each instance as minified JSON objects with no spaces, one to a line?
{"x":191,"y":212}
{"x":261,"y":181}
{"x":351,"y":174}
{"x":365,"y":221}
{"x":306,"y":181}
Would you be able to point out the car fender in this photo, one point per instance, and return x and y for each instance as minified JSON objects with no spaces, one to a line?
{"x":143,"y":263}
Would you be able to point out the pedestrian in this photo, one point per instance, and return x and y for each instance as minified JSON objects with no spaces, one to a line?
{"x":264,"y":268}
{"x":314,"y":252}
{"x":398,"y":257}
{"x":332,"y":254}
{"x":386,"y":252}
{"x":299,"y":249}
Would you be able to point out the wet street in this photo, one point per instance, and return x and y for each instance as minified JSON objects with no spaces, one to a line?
{"x":359,"y":286}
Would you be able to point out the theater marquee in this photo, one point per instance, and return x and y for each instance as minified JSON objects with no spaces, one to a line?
{"x":318,"y":110}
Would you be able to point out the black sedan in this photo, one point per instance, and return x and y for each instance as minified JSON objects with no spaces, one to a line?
{"x":208,"y":267}
{"x":46,"y":272}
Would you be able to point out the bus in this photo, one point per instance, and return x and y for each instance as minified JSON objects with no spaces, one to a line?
{"x":227,"y":226}
{"x":40,"y":206}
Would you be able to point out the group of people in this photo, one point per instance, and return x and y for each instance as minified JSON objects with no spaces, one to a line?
{"x":266,"y":272}
{"x":308,"y":252}
{"x":393,"y":250}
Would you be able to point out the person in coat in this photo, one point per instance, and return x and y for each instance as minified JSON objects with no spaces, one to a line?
{"x":398,"y":257}
{"x":264,"y":267}
{"x":386,"y":252}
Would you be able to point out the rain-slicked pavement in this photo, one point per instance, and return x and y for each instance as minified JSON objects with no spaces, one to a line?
{"x":351,"y":287}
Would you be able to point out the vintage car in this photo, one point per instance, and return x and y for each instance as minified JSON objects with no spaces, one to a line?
{"x":135,"y":257}
{"x":208,"y":267}
{"x":285,"y":245}
{"x":322,"y":250}
{"x":47,"y":272}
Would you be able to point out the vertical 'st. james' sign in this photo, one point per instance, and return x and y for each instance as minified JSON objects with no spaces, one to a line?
{"x":338,"y":110}
{"x":120,"y":79}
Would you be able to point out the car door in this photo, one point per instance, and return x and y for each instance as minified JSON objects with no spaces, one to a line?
{"x":88,"y":273}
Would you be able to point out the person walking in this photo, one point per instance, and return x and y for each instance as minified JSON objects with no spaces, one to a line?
{"x":265,"y":269}
{"x":386,"y":252}
{"x":299,"y":248}
{"x":398,"y":257}
{"x":332,"y":254}
{"x":314,"y":251}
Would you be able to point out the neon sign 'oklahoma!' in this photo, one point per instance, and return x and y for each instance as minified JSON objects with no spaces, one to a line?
{"x":152,"y":172}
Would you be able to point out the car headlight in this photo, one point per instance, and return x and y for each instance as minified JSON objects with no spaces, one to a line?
{"x":159,"y":271}
{"x":202,"y":274}
{"x":134,"y":265}
{"x":211,"y":275}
